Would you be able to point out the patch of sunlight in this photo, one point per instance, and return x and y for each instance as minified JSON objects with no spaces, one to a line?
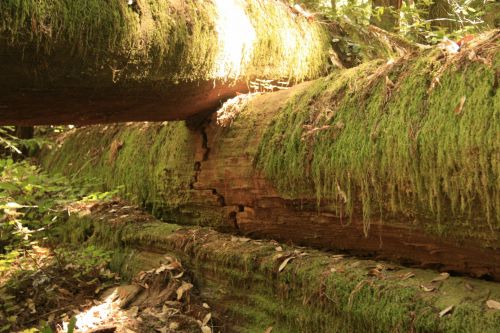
{"x":102,"y":313}
{"x":236,"y":38}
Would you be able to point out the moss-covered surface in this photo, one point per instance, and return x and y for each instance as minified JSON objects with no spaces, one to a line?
{"x":314,"y":292}
{"x":152,"y":163}
{"x":385,"y":139}
{"x":160,"y":42}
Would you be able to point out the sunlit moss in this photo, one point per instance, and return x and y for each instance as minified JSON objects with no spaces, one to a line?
{"x":160,"y":42}
{"x":395,"y":142}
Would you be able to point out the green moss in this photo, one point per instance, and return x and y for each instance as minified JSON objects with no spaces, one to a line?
{"x":152,"y":163}
{"x":308,"y":296}
{"x":313,"y":293}
{"x":155,"y":42}
{"x":390,"y":151}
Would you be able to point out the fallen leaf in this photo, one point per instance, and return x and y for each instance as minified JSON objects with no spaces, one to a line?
{"x":388,"y":82}
{"x":446,"y":311}
{"x":174,"y":265}
{"x":468,"y":286}
{"x":492,"y":304}
{"x":182,"y":289}
{"x":269,"y":329}
{"x":284,"y":263}
{"x":406,"y":276}
{"x":133,"y":311}
{"x":460,"y":106}
{"x":206,"y":329}
{"x":441,"y":277}
{"x":338,"y":256}
{"x":278,"y":256}
{"x":206,"y":306}
{"x":206,"y":319}
{"x":376,"y":272}
{"x":428,"y":288}
{"x":278,"y":248}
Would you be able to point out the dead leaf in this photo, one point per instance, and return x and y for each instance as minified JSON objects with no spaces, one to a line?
{"x":31,"y":305}
{"x":269,"y":329}
{"x":446,"y":311}
{"x":278,"y":249}
{"x":428,"y":288}
{"x":133,"y":311}
{"x":173,"y":326}
{"x":278,"y":256}
{"x":468,"y":286}
{"x":182,"y":289}
{"x":338,"y":256}
{"x":206,"y":306}
{"x":492,"y":304}
{"x":441,"y":277}
{"x":206,"y":319}
{"x":406,"y":276}
{"x":206,"y":329}
{"x":160,"y":269}
{"x":376,"y":272}
{"x":460,"y":106}
{"x":388,"y":82}
{"x":284,"y":263}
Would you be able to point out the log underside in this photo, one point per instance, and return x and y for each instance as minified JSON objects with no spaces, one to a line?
{"x":84,"y":106}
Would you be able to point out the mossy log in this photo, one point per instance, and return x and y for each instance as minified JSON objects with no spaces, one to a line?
{"x":256,"y":284}
{"x":98,"y":61}
{"x":398,"y":160}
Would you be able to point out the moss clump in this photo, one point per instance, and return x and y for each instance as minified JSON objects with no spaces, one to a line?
{"x":155,"y":42}
{"x":384,"y":140}
{"x":152,"y":163}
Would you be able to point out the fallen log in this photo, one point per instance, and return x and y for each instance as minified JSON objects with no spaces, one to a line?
{"x":256,"y":284}
{"x":397,"y":160}
{"x":86,"y":62}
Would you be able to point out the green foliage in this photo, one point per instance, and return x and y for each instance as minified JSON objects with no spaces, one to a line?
{"x":31,"y":203}
{"x":47,"y":329}
{"x":426,"y":21}
{"x":8,"y":141}
{"x":89,"y":260}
